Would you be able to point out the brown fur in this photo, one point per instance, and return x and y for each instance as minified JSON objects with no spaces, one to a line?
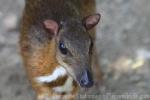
{"x":38,"y":51}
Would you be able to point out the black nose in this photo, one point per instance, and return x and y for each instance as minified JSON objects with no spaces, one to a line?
{"x":86,"y":79}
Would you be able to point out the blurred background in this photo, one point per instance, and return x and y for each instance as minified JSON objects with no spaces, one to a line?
{"x":123,"y":43}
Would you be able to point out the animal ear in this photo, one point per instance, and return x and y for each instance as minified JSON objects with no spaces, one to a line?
{"x":90,"y":21}
{"x":51,"y":26}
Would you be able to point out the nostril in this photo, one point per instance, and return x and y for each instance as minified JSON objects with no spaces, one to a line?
{"x":86,"y":79}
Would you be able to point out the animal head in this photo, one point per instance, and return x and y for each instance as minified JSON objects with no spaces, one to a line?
{"x":74,"y":46}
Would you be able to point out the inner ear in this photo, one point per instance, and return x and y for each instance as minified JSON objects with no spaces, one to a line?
{"x":51,"y":26}
{"x":90,"y":21}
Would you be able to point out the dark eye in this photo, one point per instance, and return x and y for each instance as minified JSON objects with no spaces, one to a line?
{"x":63,"y":48}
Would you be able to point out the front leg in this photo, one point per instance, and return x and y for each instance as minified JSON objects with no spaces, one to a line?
{"x":47,"y":96}
{"x":54,"y":96}
{"x":42,"y":96}
{"x":65,"y":90}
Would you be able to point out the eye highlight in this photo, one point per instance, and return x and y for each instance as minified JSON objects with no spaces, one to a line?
{"x":63,"y":48}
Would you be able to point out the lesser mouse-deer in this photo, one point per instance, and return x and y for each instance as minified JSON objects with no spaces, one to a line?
{"x":57,"y":46}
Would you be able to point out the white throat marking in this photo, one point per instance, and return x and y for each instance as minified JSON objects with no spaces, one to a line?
{"x":58,"y":72}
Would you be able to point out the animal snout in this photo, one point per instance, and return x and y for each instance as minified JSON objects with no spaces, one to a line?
{"x":86,"y":79}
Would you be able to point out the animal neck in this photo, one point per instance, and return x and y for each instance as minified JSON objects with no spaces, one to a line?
{"x":59,"y":81}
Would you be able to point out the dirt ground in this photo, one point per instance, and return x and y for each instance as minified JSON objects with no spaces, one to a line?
{"x":123,"y":43}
